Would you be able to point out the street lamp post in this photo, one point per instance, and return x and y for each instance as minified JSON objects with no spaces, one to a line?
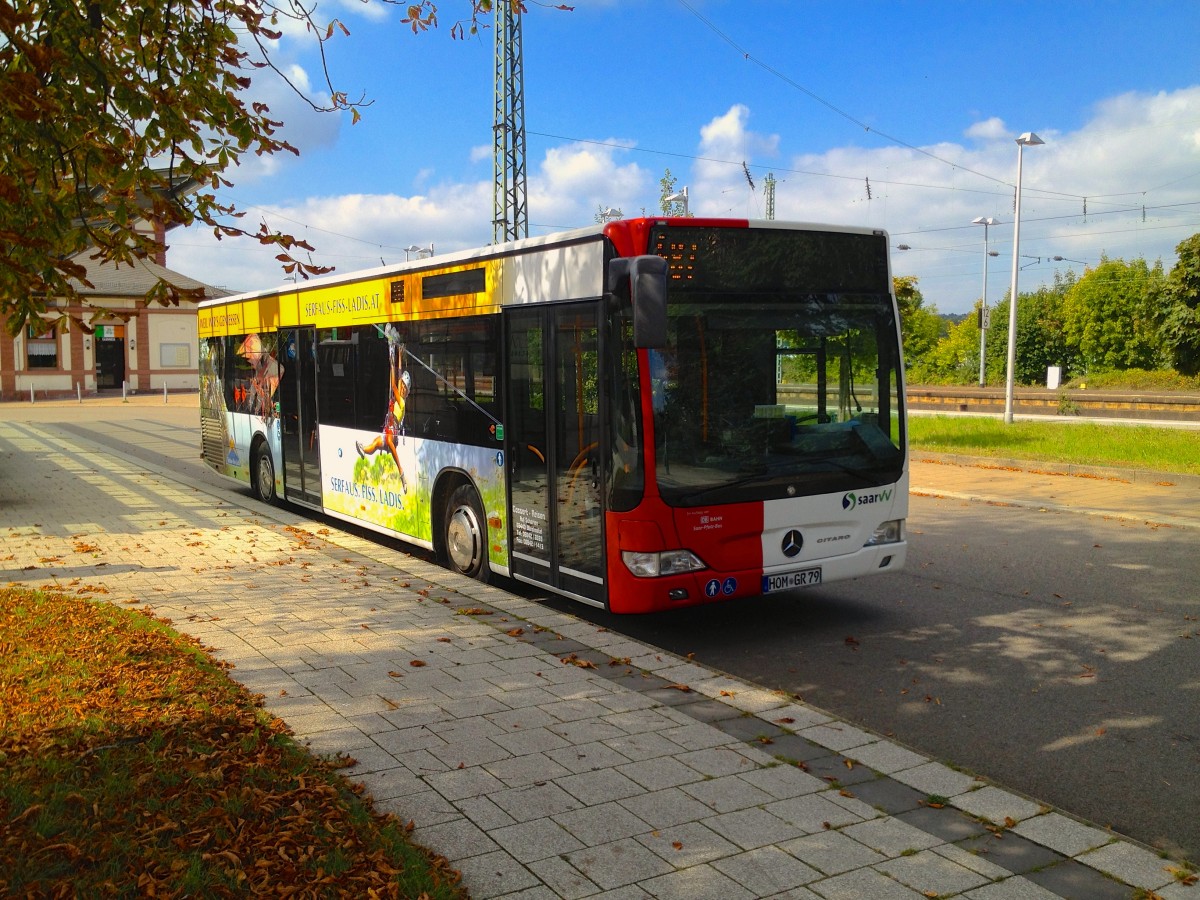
{"x":681,"y":197}
{"x":1027,"y":139}
{"x":986,"y":222}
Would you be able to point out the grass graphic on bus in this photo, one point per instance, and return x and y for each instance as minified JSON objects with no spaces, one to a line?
{"x":369,"y":486}
{"x":379,"y":485}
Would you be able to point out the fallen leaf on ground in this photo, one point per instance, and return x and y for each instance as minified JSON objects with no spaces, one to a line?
{"x":574,"y":660}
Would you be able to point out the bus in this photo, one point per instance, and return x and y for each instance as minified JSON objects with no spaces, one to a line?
{"x":642,"y":415}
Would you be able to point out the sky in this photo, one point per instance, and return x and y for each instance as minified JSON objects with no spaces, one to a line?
{"x":900,"y":115}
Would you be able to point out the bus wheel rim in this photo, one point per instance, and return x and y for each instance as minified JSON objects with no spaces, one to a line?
{"x":464,"y":539}
{"x":266,"y":475}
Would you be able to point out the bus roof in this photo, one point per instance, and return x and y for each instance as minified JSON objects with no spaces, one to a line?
{"x":572,"y":236}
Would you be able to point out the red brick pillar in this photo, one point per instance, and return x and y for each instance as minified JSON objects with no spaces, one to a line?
{"x":8,"y":363}
{"x":140,"y":364}
{"x":79,"y":361}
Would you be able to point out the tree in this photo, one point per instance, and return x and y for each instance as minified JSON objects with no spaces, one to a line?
{"x":1109,"y":316}
{"x":667,"y":188}
{"x":1040,"y":340}
{"x":1179,"y":310}
{"x":115,"y":115}
{"x":920,"y":328}
{"x":954,"y":359}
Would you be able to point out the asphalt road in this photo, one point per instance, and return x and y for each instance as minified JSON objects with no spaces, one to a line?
{"x":1054,"y":653}
{"x":1057,"y":654}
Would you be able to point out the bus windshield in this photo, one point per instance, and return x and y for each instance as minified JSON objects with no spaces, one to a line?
{"x":788,"y":388}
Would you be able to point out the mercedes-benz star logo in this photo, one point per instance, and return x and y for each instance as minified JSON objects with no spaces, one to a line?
{"x":792,"y":542}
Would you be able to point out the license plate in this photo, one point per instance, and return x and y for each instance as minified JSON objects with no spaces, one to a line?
{"x":787,"y":580}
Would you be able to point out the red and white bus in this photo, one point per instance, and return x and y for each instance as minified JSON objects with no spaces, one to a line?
{"x":642,"y":415}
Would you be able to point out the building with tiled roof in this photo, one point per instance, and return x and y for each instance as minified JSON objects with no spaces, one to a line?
{"x":140,"y":348}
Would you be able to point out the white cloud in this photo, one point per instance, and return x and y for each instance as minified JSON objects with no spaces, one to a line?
{"x":359,"y":230}
{"x":374,"y":12}
{"x":573,"y":180}
{"x":992,"y":129}
{"x":356,"y":231}
{"x":1136,"y":150}
{"x":719,"y":186}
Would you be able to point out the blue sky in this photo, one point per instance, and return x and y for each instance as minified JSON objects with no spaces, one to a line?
{"x":921,"y":99}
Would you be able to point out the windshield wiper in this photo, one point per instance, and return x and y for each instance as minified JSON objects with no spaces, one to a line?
{"x":863,"y":474}
{"x":693,"y":496}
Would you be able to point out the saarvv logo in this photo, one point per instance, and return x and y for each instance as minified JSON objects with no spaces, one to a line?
{"x":851,"y":500}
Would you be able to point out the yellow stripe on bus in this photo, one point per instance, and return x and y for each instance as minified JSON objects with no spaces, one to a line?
{"x":394,"y":298}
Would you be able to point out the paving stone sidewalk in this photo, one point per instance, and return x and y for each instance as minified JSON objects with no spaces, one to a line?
{"x":543,"y":756}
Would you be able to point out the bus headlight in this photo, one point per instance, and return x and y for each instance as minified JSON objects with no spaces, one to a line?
{"x":666,"y":562}
{"x":890,"y":532}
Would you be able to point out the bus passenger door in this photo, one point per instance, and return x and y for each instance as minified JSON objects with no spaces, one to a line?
{"x":553,"y":446}
{"x":298,"y":416}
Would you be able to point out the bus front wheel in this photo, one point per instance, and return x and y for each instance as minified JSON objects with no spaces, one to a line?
{"x":264,"y":475}
{"x":466,"y":538}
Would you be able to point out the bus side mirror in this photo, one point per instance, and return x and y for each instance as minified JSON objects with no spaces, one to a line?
{"x":648,"y":294}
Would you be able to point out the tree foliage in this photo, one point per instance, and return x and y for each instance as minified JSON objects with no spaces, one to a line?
{"x":666,"y":186}
{"x":908,"y":295}
{"x":920,"y":327}
{"x":116,"y":115}
{"x":1108,"y":315}
{"x":1040,"y":340}
{"x":1179,"y":318}
{"x":954,"y":359}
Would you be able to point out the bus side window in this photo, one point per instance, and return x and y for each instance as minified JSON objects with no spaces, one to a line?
{"x":337,"y":393}
{"x":229,"y":374}
{"x":372,"y":387}
{"x":425,"y":400}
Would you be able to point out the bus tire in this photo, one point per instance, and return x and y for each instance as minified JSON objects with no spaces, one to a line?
{"x":263,"y":474}
{"x":465,"y":536}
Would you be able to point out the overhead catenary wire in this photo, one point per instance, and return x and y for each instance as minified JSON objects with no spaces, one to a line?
{"x":750,"y":57}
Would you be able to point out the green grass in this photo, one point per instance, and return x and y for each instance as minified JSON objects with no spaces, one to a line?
{"x":1173,"y":450}
{"x":132,"y":765}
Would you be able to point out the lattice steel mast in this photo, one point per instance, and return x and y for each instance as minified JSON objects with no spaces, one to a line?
{"x":770,"y":192}
{"x":510,"y":215}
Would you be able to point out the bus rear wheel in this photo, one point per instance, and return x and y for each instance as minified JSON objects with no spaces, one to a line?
{"x":264,"y":475}
{"x":465,"y":534}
